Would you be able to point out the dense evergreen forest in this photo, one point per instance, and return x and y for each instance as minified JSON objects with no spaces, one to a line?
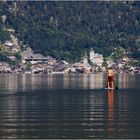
{"x":65,"y":29}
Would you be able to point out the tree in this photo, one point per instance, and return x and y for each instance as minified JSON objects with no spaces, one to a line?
{"x":4,"y":35}
{"x":118,"y":53}
{"x":3,"y":57}
{"x":18,"y":55}
{"x":67,"y":27}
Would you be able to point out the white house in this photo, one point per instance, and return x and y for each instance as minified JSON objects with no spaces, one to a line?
{"x":8,"y":44}
{"x":14,"y":50}
{"x":13,"y":58}
{"x":96,"y":58}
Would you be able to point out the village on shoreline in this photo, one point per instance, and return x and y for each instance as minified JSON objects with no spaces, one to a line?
{"x":34,"y":63}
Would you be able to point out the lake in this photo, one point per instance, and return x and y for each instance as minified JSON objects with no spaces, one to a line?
{"x":74,"y":106}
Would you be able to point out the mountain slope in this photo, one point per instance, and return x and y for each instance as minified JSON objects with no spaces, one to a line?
{"x":66,"y":29}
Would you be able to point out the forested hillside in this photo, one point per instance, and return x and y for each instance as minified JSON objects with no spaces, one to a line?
{"x":66,"y":29}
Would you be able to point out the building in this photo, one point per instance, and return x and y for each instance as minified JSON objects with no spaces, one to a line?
{"x":85,"y":59}
{"x":8,"y":43}
{"x":91,"y":55}
{"x":95,"y":58}
{"x":29,"y":56}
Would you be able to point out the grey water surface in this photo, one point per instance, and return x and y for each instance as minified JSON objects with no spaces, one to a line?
{"x":69,"y":106}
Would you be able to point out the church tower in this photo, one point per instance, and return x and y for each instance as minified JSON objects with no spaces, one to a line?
{"x":91,"y":55}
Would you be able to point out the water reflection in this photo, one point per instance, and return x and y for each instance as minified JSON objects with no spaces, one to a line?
{"x":42,"y":112}
{"x":110,"y":99}
{"x":126,"y":80}
{"x":25,"y":82}
{"x":51,"y":81}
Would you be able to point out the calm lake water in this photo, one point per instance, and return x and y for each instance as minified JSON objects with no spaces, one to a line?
{"x":69,"y":106}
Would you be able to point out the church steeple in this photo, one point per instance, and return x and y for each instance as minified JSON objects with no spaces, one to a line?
{"x":86,"y":54}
